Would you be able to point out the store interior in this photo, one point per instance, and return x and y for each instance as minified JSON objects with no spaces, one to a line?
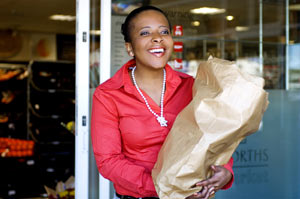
{"x":37,"y":91}
{"x":37,"y":71}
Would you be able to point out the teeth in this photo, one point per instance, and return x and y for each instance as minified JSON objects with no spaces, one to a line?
{"x":158,"y":50}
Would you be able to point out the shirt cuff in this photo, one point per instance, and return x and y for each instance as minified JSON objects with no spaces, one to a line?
{"x":229,"y":184}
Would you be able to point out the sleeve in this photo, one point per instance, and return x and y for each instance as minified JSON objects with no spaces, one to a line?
{"x":107,"y":146}
{"x":228,"y":166}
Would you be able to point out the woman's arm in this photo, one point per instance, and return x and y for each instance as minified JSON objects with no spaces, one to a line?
{"x":107,"y":146}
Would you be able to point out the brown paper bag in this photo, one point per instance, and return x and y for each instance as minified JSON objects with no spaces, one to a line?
{"x":227,"y":105}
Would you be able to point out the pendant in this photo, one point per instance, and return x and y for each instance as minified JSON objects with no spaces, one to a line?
{"x":162,"y":121}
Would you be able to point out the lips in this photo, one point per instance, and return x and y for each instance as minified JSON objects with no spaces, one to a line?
{"x":158,"y":52}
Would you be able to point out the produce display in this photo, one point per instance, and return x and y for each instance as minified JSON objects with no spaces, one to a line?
{"x":10,"y":147}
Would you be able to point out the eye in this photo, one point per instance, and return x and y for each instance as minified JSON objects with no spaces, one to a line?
{"x":165,"y":32}
{"x":144,"y":33}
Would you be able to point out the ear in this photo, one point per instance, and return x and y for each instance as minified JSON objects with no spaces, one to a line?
{"x":129,"y":49}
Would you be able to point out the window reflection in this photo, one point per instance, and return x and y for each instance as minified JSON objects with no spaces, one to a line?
{"x":233,"y":33}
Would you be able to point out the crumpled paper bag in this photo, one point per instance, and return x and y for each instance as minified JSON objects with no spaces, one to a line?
{"x":227,"y":106}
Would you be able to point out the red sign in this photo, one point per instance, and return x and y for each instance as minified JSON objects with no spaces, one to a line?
{"x":178,"y":63}
{"x":178,"y":46}
{"x":177,"y":30}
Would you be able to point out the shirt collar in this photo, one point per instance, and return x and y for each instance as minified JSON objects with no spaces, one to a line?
{"x":122,"y":78}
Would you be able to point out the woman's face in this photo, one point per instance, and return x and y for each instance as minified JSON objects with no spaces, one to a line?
{"x":151,"y":40}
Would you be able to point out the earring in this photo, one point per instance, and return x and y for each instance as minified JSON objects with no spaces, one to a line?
{"x":131,"y":54}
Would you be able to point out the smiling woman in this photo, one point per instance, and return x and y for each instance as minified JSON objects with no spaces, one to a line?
{"x":133,"y":112}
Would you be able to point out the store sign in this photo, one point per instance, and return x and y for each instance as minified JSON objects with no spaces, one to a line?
{"x":177,"y":30}
{"x":178,"y":46}
{"x":266,"y":161}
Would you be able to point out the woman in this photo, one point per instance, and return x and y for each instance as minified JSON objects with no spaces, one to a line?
{"x":134,"y":110}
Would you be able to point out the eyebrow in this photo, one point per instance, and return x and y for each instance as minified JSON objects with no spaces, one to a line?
{"x":161,"y":26}
{"x":144,"y":27}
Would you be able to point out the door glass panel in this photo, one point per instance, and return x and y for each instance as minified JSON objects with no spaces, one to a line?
{"x":95,"y":33}
{"x":252,"y":33}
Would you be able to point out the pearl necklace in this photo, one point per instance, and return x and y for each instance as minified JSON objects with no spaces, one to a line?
{"x":161,"y":120}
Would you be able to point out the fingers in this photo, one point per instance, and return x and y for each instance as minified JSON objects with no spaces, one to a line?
{"x":215,"y":186}
{"x":215,"y":168}
{"x":211,"y":191}
{"x":201,"y":194}
{"x":205,"y":193}
{"x":219,"y":178}
{"x":209,"y":182}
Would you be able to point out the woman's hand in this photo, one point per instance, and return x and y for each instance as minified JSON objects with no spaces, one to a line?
{"x":221,"y":176}
{"x":205,"y":193}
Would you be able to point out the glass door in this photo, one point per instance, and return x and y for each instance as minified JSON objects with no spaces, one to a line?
{"x":261,"y":36}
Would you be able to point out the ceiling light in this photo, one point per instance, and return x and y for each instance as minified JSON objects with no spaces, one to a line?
{"x":195,"y":23}
{"x":294,"y":7}
{"x":229,"y":18}
{"x":241,"y":28}
{"x":95,"y":32}
{"x":63,"y":17}
{"x":207,"y":10}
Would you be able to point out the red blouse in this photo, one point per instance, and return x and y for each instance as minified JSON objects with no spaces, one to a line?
{"x":126,"y":136}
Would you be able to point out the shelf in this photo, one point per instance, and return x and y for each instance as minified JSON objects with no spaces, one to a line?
{"x":44,"y":99}
{"x":12,"y":66}
{"x":50,"y":90}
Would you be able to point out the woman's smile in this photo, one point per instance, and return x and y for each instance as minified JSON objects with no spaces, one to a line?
{"x":157,"y":51}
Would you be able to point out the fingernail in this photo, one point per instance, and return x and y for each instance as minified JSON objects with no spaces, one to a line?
{"x":212,"y":193}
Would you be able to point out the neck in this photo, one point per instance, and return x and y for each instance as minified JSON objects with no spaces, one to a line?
{"x":151,"y":89}
{"x":149,"y":78}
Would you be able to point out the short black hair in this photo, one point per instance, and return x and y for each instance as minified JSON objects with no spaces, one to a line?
{"x":125,"y":30}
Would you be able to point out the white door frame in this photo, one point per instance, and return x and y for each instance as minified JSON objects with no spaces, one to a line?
{"x":82,"y":92}
{"x":82,"y":99}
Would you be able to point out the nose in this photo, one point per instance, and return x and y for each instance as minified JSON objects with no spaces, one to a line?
{"x":157,"y":38}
